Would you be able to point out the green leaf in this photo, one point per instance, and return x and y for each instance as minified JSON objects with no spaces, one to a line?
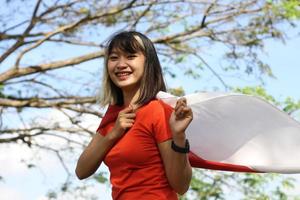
{"x":100,"y":177}
{"x":177,"y":91}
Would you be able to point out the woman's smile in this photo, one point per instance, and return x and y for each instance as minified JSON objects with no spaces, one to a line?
{"x":123,"y":75}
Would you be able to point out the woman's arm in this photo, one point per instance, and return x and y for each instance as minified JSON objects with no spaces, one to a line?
{"x":177,"y":166}
{"x":91,"y":158}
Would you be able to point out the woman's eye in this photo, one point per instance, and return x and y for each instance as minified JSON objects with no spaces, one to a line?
{"x":131,"y":56}
{"x":113,"y":57}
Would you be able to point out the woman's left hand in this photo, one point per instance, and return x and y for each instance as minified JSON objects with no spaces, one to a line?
{"x":180,"y":118}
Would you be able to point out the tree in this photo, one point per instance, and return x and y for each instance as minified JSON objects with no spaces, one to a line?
{"x":52,"y":52}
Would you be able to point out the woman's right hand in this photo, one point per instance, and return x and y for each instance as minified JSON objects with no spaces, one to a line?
{"x":124,"y":121}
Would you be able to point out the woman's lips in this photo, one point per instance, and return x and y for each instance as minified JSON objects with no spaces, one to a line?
{"x":123,"y":75}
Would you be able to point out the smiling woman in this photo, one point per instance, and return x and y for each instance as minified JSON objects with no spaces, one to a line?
{"x":140,"y":52}
{"x":143,"y":142}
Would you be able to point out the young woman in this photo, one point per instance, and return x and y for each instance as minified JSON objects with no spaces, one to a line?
{"x":141,"y":140}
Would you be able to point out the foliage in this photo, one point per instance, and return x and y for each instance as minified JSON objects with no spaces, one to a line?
{"x":177,"y":91}
{"x":208,"y":184}
{"x":288,"y":105}
{"x":289,"y":9}
{"x":257,"y":91}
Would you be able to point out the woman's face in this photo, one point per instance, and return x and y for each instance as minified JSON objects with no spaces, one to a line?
{"x":125,"y":69}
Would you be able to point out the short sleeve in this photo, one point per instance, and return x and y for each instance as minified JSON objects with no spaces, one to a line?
{"x":161,"y":127}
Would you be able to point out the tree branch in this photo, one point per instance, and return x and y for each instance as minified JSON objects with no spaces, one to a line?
{"x":45,"y":102}
{"x":20,"y":41}
{"x":14,"y":73}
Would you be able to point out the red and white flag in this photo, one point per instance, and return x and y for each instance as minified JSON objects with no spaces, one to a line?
{"x":236,"y":132}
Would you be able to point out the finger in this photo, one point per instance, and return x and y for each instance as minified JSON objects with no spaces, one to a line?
{"x":180,"y":102}
{"x":129,"y":115}
{"x":183,"y":111}
{"x":188,"y":111}
{"x":183,"y":100}
{"x":179,"y":112}
{"x":128,"y":125}
{"x":124,"y":112}
{"x":134,"y":107}
{"x":127,"y":109}
{"x":124,"y":119}
{"x":129,"y":121}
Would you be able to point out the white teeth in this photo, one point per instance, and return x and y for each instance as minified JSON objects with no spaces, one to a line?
{"x":123,"y":73}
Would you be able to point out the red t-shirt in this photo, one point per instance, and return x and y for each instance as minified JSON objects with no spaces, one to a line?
{"x":136,"y":167}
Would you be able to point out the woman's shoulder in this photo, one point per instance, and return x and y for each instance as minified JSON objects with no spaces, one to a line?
{"x":157,"y":105}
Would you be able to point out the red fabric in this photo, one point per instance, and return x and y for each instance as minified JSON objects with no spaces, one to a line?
{"x":198,"y":162}
{"x":135,"y":164}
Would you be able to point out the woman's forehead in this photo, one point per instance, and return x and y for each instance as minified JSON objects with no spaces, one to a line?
{"x":123,"y":52}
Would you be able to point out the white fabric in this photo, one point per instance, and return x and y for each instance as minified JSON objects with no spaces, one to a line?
{"x":242,"y":130}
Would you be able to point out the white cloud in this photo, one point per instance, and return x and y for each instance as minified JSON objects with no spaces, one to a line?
{"x":17,"y":156}
{"x":12,"y":155}
{"x":10,"y":194}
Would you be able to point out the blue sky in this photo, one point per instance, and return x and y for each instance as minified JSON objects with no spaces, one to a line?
{"x":284,"y":60}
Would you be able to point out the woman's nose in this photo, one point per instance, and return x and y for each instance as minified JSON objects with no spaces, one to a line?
{"x":121,"y":63}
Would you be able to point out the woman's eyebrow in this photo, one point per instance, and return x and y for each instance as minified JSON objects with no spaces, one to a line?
{"x":113,"y":52}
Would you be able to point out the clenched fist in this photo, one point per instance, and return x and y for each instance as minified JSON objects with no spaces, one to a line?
{"x":124,"y":121}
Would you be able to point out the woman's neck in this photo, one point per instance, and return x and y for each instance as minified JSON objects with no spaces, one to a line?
{"x":130,"y":97}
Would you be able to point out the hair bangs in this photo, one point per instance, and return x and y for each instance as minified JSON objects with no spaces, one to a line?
{"x":125,"y":43}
